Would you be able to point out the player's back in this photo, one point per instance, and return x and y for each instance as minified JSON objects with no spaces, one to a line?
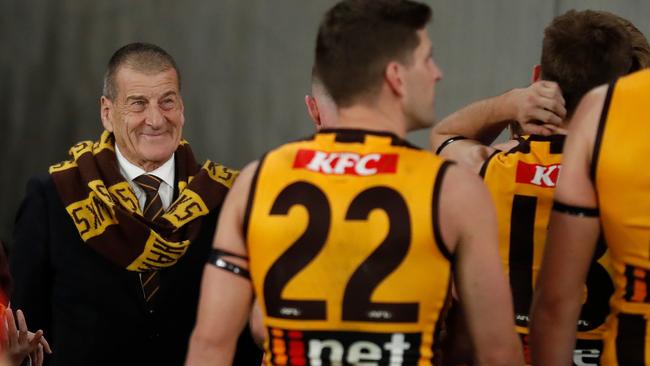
{"x":345,"y":251}
{"x":622,"y":182}
{"x":522,"y":182}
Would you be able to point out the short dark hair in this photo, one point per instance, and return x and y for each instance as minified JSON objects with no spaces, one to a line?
{"x":584,"y":49}
{"x":143,"y":57}
{"x":640,"y":46}
{"x":358,"y":38}
{"x":317,"y":84}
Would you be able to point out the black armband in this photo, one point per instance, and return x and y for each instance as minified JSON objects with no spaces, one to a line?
{"x":449,"y":141}
{"x":575,"y":210}
{"x":216,"y":259}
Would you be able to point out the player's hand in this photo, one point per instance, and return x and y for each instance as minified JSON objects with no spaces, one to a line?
{"x":37,"y":356}
{"x":539,"y":108}
{"x":22,"y":342}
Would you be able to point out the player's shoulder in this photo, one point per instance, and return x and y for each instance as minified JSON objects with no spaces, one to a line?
{"x":459,"y":179}
{"x":246,"y":176}
{"x":459,"y":185}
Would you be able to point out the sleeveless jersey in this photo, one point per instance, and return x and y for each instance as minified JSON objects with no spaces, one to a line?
{"x":522,"y":182}
{"x":622,"y":180}
{"x":345,"y":254}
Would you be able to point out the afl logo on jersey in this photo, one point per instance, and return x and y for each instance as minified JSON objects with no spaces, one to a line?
{"x":345,"y":163}
{"x":539,"y":175}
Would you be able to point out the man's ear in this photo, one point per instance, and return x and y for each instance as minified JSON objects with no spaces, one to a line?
{"x":394,"y":78}
{"x":537,"y":73}
{"x":105,"y":111}
{"x":312,"y":110}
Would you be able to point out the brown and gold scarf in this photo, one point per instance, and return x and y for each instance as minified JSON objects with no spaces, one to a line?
{"x":108,"y":217}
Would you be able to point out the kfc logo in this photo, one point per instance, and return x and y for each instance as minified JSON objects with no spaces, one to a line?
{"x":539,"y":175}
{"x":345,"y":163}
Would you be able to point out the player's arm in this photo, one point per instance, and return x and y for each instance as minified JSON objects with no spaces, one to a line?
{"x":465,"y":135}
{"x":573,"y":232}
{"x":256,"y":324}
{"x":226,"y":297}
{"x":469,"y":229}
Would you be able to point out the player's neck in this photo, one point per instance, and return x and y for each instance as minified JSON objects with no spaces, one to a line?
{"x":371,"y":118}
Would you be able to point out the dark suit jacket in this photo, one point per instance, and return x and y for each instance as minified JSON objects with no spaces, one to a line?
{"x":92,"y":311}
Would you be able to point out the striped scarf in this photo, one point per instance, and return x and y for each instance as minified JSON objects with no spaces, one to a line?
{"x":108,"y":217}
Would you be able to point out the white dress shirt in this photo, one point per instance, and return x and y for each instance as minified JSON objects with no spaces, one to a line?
{"x":165,"y":172}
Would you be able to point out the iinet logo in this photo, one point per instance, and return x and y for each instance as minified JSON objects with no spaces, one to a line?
{"x":338,"y":348}
{"x":359,"y":352}
{"x":539,"y":175}
{"x":345,"y":163}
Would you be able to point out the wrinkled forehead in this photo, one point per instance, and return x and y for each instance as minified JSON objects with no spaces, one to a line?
{"x":129,"y":79}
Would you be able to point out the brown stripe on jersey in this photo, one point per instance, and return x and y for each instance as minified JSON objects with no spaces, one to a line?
{"x":600,"y":131}
{"x":251,"y":197}
{"x":557,"y":146}
{"x":630,"y":339}
{"x":435,"y":213}
{"x":520,"y":258}
{"x":352,"y":135}
{"x":556,"y":143}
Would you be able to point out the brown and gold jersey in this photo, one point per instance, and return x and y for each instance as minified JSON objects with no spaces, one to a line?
{"x":521,"y":182}
{"x":622,"y":181}
{"x":345,"y":254}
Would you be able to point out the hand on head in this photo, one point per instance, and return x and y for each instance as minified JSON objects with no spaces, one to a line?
{"x":539,"y":108}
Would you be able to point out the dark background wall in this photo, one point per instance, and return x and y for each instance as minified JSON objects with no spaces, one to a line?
{"x":245,"y":67}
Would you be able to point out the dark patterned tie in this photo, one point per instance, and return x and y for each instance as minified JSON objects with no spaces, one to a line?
{"x":152,"y":209}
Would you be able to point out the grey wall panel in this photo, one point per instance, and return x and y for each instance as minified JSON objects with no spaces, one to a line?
{"x":245,"y":66}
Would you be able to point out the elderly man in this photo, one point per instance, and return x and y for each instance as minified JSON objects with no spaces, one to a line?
{"x":110,"y":245}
